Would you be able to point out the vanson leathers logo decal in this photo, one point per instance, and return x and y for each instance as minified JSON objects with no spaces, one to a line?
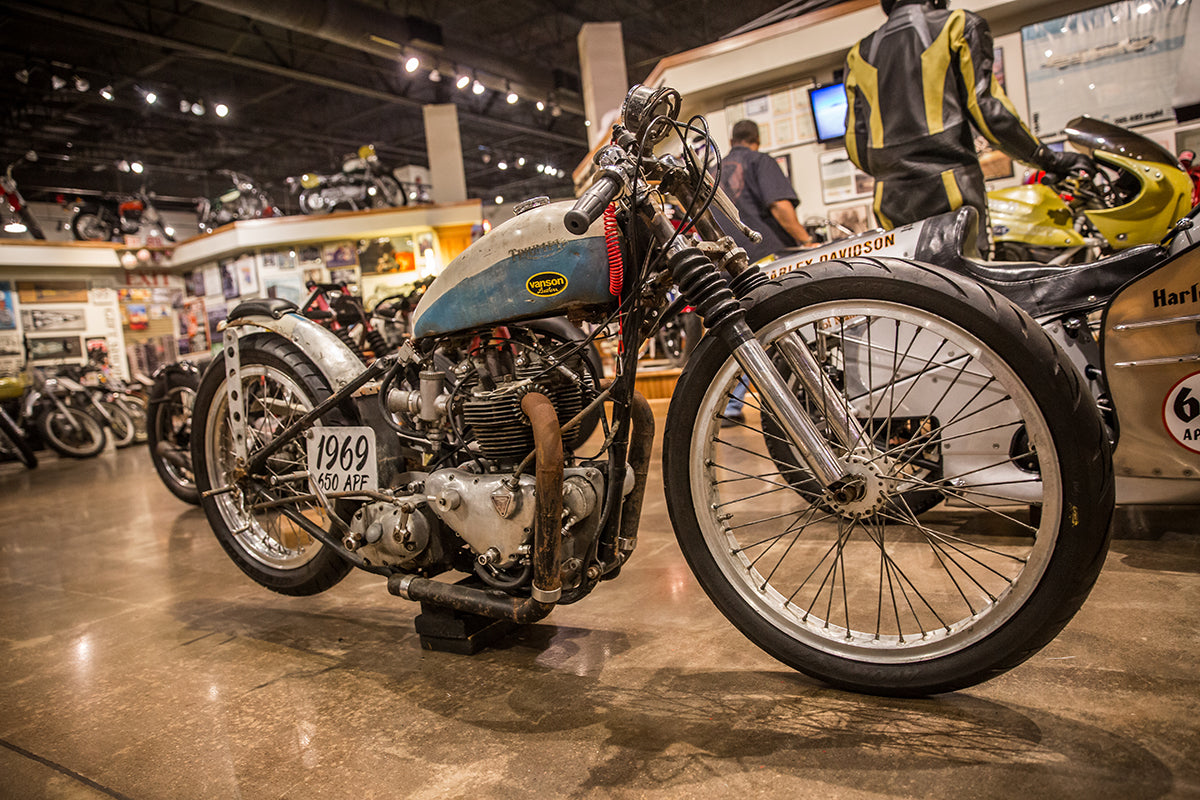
{"x":546,"y":284}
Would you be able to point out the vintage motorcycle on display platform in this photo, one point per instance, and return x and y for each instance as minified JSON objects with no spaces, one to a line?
{"x":1139,"y":191}
{"x":885,"y":522}
{"x":107,"y":220}
{"x":14,"y":203}
{"x":244,"y":200}
{"x":363,"y":183}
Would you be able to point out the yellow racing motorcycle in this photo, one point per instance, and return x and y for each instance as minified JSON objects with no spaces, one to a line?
{"x":1139,"y":191}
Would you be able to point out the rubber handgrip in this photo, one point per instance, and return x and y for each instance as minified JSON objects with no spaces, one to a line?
{"x":589,"y":207}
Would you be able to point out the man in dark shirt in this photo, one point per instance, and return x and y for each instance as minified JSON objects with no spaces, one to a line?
{"x":763,"y":195}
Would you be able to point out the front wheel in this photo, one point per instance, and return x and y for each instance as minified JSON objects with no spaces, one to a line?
{"x":120,"y":423}
{"x":11,"y":440}
{"x":93,"y":223}
{"x":71,"y":433}
{"x":278,"y":386}
{"x":169,"y":434}
{"x":957,"y":396}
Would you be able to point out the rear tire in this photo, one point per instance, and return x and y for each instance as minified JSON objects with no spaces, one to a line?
{"x":169,"y":435}
{"x":279,"y":384}
{"x":12,"y":439}
{"x":874,"y":595}
{"x":92,"y":223}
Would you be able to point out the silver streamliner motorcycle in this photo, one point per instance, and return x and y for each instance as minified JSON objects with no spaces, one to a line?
{"x":874,"y":541}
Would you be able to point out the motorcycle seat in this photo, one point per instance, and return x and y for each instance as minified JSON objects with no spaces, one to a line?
{"x":1039,"y":289}
{"x":274,"y":307}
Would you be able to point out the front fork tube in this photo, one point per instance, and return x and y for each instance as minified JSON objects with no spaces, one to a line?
{"x":708,"y":292}
{"x":839,"y":417}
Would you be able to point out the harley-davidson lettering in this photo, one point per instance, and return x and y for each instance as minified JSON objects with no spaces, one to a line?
{"x":1188,"y":295}
{"x":850,"y":251}
{"x":1181,"y":412}
{"x":546,"y":284}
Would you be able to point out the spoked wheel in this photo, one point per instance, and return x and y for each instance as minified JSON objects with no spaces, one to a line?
{"x":92,"y":223}
{"x":279,"y":385}
{"x":958,"y":397}
{"x":169,"y":433}
{"x":71,"y":432}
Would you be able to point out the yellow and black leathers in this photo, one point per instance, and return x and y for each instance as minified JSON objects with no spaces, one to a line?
{"x":916,"y":91}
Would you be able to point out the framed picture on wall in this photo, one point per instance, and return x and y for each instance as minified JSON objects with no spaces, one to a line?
{"x":57,"y":348}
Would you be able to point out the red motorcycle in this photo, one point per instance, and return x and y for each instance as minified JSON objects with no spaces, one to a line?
{"x":14,"y":203}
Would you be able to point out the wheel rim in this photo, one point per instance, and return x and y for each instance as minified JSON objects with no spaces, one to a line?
{"x":273,"y":400}
{"x":878,"y":582}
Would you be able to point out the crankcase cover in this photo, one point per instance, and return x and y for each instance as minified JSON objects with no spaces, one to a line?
{"x":527,"y":267}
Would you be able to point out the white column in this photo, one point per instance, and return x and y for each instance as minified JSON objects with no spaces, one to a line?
{"x":442,"y":143}
{"x":605,"y":82}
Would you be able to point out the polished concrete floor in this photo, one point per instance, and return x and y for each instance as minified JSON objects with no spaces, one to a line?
{"x":136,"y":661}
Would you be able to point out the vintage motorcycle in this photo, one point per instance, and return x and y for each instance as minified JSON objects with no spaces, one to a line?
{"x":362,"y":183}
{"x":13,"y":440}
{"x":108,"y":220}
{"x":14,"y":203}
{"x":244,"y":200}
{"x":877,"y":542}
{"x":1138,"y":192}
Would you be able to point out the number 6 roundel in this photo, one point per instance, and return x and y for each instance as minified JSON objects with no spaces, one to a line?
{"x":1181,"y":412}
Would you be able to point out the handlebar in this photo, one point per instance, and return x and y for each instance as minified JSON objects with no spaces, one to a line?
{"x":591,"y":205}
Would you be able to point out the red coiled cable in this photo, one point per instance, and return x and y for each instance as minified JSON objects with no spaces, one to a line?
{"x":616,"y":267}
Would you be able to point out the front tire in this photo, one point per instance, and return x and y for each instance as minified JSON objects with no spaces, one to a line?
{"x":169,"y":435}
{"x":878,"y":596}
{"x":71,"y":433}
{"x":279,"y":384}
{"x":11,"y":439}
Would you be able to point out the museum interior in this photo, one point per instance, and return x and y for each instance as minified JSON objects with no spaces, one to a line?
{"x":599,"y":400}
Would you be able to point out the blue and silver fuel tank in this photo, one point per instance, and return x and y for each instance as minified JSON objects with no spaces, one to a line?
{"x":527,"y":267}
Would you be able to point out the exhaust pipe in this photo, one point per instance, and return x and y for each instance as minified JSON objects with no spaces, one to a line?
{"x":547,"y":552}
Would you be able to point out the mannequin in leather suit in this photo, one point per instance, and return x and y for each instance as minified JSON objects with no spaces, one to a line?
{"x":917,"y":90}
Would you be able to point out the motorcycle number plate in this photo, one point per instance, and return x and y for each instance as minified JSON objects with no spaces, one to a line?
{"x":342,"y":459}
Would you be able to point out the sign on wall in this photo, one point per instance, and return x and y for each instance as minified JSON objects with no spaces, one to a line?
{"x":1115,"y":63}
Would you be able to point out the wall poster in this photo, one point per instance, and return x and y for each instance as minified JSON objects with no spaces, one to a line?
{"x":841,"y":179}
{"x":1109,"y":62}
{"x":783,"y":115}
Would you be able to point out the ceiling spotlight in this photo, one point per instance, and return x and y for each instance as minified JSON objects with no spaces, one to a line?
{"x":22,"y":76}
{"x":555,"y":111}
{"x":221,"y":110}
{"x":541,"y":106}
{"x":151,"y":98}
{"x":477,"y":88}
{"x":435,"y":76}
{"x":411,"y":64}
{"x":512,"y":98}
{"x":137,"y":167}
{"x":521,"y":161}
{"x":499,"y":199}
{"x":107,"y":93}
{"x":198,"y":108}
{"x":81,"y":84}
{"x":462,"y":81}
{"x":14,"y":227}
{"x":57,"y":83}
{"x":184,"y":106}
{"x":123,"y":165}
{"x":541,"y":168}
{"x":502,"y":165}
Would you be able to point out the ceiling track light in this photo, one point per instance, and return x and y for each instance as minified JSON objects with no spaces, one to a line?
{"x":463,"y":81}
{"x":477,"y":87}
{"x":411,"y":64}
{"x":107,"y":93}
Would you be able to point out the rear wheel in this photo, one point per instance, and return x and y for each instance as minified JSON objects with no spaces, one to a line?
{"x":278,"y":386}
{"x":92,"y":223}
{"x":71,"y":432}
{"x":960,"y":397}
{"x":120,"y":424}
{"x":169,"y":433}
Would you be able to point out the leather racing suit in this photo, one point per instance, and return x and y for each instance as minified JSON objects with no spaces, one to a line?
{"x":916,"y":90}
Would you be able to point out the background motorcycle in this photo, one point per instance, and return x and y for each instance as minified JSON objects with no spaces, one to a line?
{"x":1139,"y":191}
{"x":13,"y":441}
{"x":169,"y":427}
{"x":57,"y":415}
{"x":111,"y":220}
{"x":14,"y":203}
{"x":245,"y":200}
{"x":362,"y":183}
{"x":450,"y":455}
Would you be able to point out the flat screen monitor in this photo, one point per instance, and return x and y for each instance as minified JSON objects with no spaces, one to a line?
{"x":829,"y":111}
